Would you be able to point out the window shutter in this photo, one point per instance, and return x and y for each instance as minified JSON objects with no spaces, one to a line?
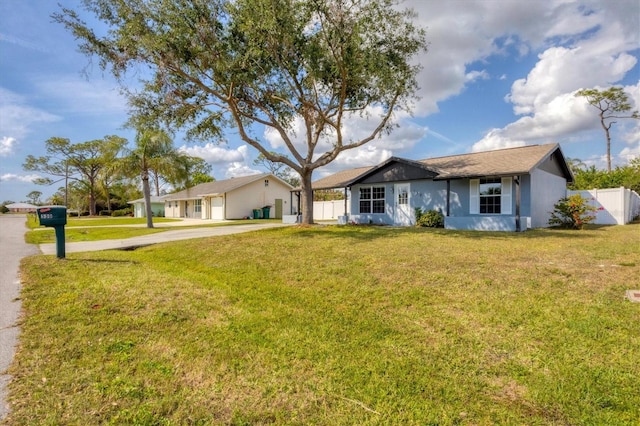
{"x":474,"y":196}
{"x":505,"y":196}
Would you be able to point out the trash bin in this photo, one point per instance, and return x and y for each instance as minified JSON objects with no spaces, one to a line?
{"x":257,"y":213}
{"x":265,"y":212}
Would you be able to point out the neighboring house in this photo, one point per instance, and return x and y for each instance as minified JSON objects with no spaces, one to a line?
{"x":502,"y":190}
{"x":21,"y":208}
{"x":157,"y":207}
{"x":235,"y":198}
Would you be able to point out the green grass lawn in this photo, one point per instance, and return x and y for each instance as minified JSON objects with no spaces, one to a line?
{"x":336,"y":326}
{"x":32,"y":221}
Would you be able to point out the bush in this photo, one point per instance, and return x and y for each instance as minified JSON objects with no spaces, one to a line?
{"x":429,"y":219}
{"x":121,"y":212}
{"x":572,"y":212}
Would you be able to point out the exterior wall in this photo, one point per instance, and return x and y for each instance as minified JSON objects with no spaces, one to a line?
{"x":484,"y":223}
{"x":157,"y":209}
{"x":538,"y":194}
{"x":547,"y":190}
{"x":426,"y":194}
{"x":241,"y":201}
{"x":460,"y":207}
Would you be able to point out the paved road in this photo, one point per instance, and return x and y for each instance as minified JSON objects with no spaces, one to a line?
{"x":160,"y":237}
{"x":12,"y":249}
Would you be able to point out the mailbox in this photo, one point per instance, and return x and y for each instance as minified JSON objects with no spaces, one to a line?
{"x":55,"y":217}
{"x":52,"y":215}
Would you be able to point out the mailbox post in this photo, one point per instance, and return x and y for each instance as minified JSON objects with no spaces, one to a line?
{"x":55,"y":217}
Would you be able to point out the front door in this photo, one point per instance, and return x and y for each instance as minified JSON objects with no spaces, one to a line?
{"x":402,"y":214}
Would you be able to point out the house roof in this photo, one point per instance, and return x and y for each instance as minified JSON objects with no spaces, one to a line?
{"x":154,"y":199}
{"x":21,"y":206}
{"x":341,"y":179}
{"x":502,"y":162}
{"x":219,"y":187}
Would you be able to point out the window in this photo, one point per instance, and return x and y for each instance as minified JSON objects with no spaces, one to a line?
{"x":365,"y":200}
{"x":490,"y":190}
{"x":490,"y":196}
{"x":198,"y":206}
{"x":372,"y":199}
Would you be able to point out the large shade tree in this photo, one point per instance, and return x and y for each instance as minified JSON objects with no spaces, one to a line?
{"x":612,"y":103}
{"x":82,"y":163}
{"x":261,"y":64}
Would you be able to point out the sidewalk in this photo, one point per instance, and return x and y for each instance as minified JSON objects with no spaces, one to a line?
{"x":160,"y":237}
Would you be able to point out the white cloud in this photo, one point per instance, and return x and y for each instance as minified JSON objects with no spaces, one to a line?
{"x":227,"y":162}
{"x":8,"y":177}
{"x":6,"y":146}
{"x":238,"y":169}
{"x":596,"y":55}
{"x":216,"y":154}
{"x":472,"y":76}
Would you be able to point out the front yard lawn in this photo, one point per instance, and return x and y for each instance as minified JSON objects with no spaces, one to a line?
{"x":336,"y":326}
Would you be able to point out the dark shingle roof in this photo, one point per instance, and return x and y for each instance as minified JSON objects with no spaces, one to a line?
{"x":341,"y":179}
{"x":501,"y":162}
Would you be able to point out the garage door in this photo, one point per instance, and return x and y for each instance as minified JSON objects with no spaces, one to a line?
{"x":217,"y":208}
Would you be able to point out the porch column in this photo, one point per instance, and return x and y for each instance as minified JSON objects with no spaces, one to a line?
{"x":448,"y":197}
{"x":346,"y":210}
{"x":516,"y":180}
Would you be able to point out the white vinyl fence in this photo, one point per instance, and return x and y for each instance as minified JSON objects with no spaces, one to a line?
{"x":617,"y":206}
{"x":329,"y":210}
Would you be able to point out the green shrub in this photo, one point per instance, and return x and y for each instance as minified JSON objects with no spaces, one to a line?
{"x":429,"y":219}
{"x":572,"y":212}
{"x":121,"y":212}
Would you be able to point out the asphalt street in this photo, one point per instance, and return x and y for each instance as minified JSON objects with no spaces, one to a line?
{"x":12,"y":250}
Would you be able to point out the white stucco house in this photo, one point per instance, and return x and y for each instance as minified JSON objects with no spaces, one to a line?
{"x":235,"y":198}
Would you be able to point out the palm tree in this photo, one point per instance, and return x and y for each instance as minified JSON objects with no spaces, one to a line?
{"x":153,"y":154}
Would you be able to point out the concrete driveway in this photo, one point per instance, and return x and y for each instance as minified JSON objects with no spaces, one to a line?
{"x":161,"y":237}
{"x":12,"y":250}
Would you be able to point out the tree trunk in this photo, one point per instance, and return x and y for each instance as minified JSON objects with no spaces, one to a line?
{"x":307,"y":197}
{"x":156,"y":181}
{"x":146,"y":190}
{"x":606,"y":132}
{"x":92,"y":203}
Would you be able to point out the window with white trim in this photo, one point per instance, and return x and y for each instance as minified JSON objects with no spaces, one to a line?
{"x":198,"y":206}
{"x":372,"y":199}
{"x":489,"y":192}
{"x":490,"y":196}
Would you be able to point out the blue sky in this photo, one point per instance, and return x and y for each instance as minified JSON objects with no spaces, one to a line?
{"x":498,"y":73}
